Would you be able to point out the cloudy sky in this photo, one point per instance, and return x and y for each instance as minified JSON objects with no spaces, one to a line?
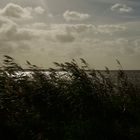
{"x":44,"y":31}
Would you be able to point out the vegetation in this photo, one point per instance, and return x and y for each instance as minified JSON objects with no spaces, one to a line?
{"x":78,"y":104}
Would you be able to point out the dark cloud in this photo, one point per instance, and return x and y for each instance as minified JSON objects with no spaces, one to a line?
{"x":65,"y":38}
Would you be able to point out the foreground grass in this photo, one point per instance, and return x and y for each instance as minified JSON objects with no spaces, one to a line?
{"x":79,"y":104}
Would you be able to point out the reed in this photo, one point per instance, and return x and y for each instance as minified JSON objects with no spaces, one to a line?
{"x":80,"y":104}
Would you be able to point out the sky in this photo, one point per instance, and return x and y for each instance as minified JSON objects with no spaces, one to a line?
{"x":47,"y":31}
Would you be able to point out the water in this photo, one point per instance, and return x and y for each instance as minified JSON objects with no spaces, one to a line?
{"x":133,"y":75}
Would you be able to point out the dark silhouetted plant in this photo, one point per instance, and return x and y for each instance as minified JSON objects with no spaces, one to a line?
{"x":70,"y":104}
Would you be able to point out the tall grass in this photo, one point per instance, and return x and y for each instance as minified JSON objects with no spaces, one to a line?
{"x":79,"y":104}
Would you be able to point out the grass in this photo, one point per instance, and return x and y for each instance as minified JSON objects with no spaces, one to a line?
{"x":80,"y":104}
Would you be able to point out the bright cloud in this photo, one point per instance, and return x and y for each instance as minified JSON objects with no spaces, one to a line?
{"x":15,"y":11}
{"x":75,"y":16}
{"x":110,"y":29}
{"x":39,"y":10}
{"x":122,"y":8}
